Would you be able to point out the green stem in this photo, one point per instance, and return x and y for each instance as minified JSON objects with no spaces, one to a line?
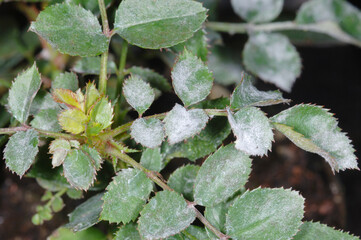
{"x":114,"y":150}
{"x":104,"y":59}
{"x":329,"y":28}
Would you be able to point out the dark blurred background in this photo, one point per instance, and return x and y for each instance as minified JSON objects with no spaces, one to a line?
{"x":331,"y":77}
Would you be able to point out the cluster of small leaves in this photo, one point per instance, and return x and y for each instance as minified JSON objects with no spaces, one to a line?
{"x":195,"y":130}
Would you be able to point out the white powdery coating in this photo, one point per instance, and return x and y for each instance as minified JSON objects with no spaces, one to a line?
{"x":257,"y":10}
{"x":283,"y":63}
{"x":148,"y":132}
{"x":138,"y":94}
{"x":265,"y":214}
{"x":191,"y":79}
{"x":252,"y":129}
{"x":181,"y":124}
{"x":319,"y":11}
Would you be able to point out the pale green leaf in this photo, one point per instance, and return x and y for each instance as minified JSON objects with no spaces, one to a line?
{"x":69,"y":98}
{"x":71,"y":29}
{"x":59,"y":148}
{"x":257,"y":11}
{"x":166,"y":214}
{"x":192,"y":81}
{"x":314,"y":129}
{"x":344,"y":14}
{"x":148,"y":132}
{"x":22,"y":93}
{"x":43,"y":101}
{"x":93,"y":155}
{"x":74,"y":194}
{"x":273,"y":58}
{"x":88,"y":234}
{"x":21,"y":150}
{"x":92,"y":95}
{"x":79,"y":169}
{"x":67,"y":80}
{"x":91,"y":65}
{"x":86,"y":214}
{"x":102,"y":113}
{"x":128,"y":232}
{"x":252,"y":129}
{"x":152,"y":159}
{"x":202,"y":144}
{"x":154,"y":79}
{"x":125,"y":196}
{"x":195,"y":232}
{"x":211,"y":187}
{"x":181,"y":124}
{"x":246,"y":94}
{"x":265,"y":214}
{"x":73,"y":121}
{"x":47,"y":120}
{"x":182,"y":180}
{"x":158,"y":24}
{"x":138,"y":94}
{"x":196,"y":45}
{"x":315,"y":230}
{"x":57,"y":204}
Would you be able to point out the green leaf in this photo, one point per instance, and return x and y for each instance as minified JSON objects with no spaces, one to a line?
{"x":225,"y":65}
{"x":273,"y":58}
{"x":216,"y":215}
{"x":92,"y":95}
{"x":59,"y":148}
{"x":67,"y":80}
{"x":138,"y":94}
{"x":211,"y":187}
{"x":265,"y":214}
{"x":71,"y":29}
{"x":125,"y":196}
{"x":128,"y":232}
{"x":166,"y":214}
{"x":192,"y":81}
{"x":152,"y":159}
{"x":102,"y":113}
{"x":47,"y":120}
{"x":154,"y":79}
{"x":181,"y":124}
{"x":94,"y":156}
{"x":69,"y":98}
{"x":86,"y":214}
{"x":22,"y":93}
{"x":88,"y":234}
{"x":148,"y":132}
{"x":182,"y":180}
{"x":196,"y":232}
{"x":158,"y":24}
{"x":252,"y":129}
{"x":197,"y":45}
{"x":91,"y":5}
{"x":344,"y":14}
{"x":91,"y":65}
{"x":21,"y":150}
{"x":57,"y":204}
{"x":246,"y":95}
{"x":43,"y":101}
{"x":79,"y":169}
{"x":315,"y":230}
{"x":313,"y":129}
{"x":74,"y":194}
{"x":73,"y":121}
{"x":257,"y":11}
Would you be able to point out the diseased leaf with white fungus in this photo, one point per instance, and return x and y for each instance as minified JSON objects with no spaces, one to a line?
{"x":211,"y":187}
{"x":47,"y":119}
{"x":252,"y":129}
{"x":192,"y":80}
{"x":265,"y":214}
{"x":181,"y":123}
{"x":21,"y":150}
{"x":171,"y":213}
{"x":152,"y":159}
{"x":245,"y":94}
{"x":158,"y":24}
{"x":148,"y":132}
{"x":79,"y":169}
{"x":22,"y":93}
{"x":128,"y":232}
{"x":71,"y":29}
{"x":182,"y":180}
{"x":313,"y":129}
{"x":315,"y":230}
{"x":257,"y":11}
{"x":125,"y":196}
{"x":67,"y":80}
{"x":91,"y":65}
{"x":273,"y":58}
{"x":138,"y":94}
